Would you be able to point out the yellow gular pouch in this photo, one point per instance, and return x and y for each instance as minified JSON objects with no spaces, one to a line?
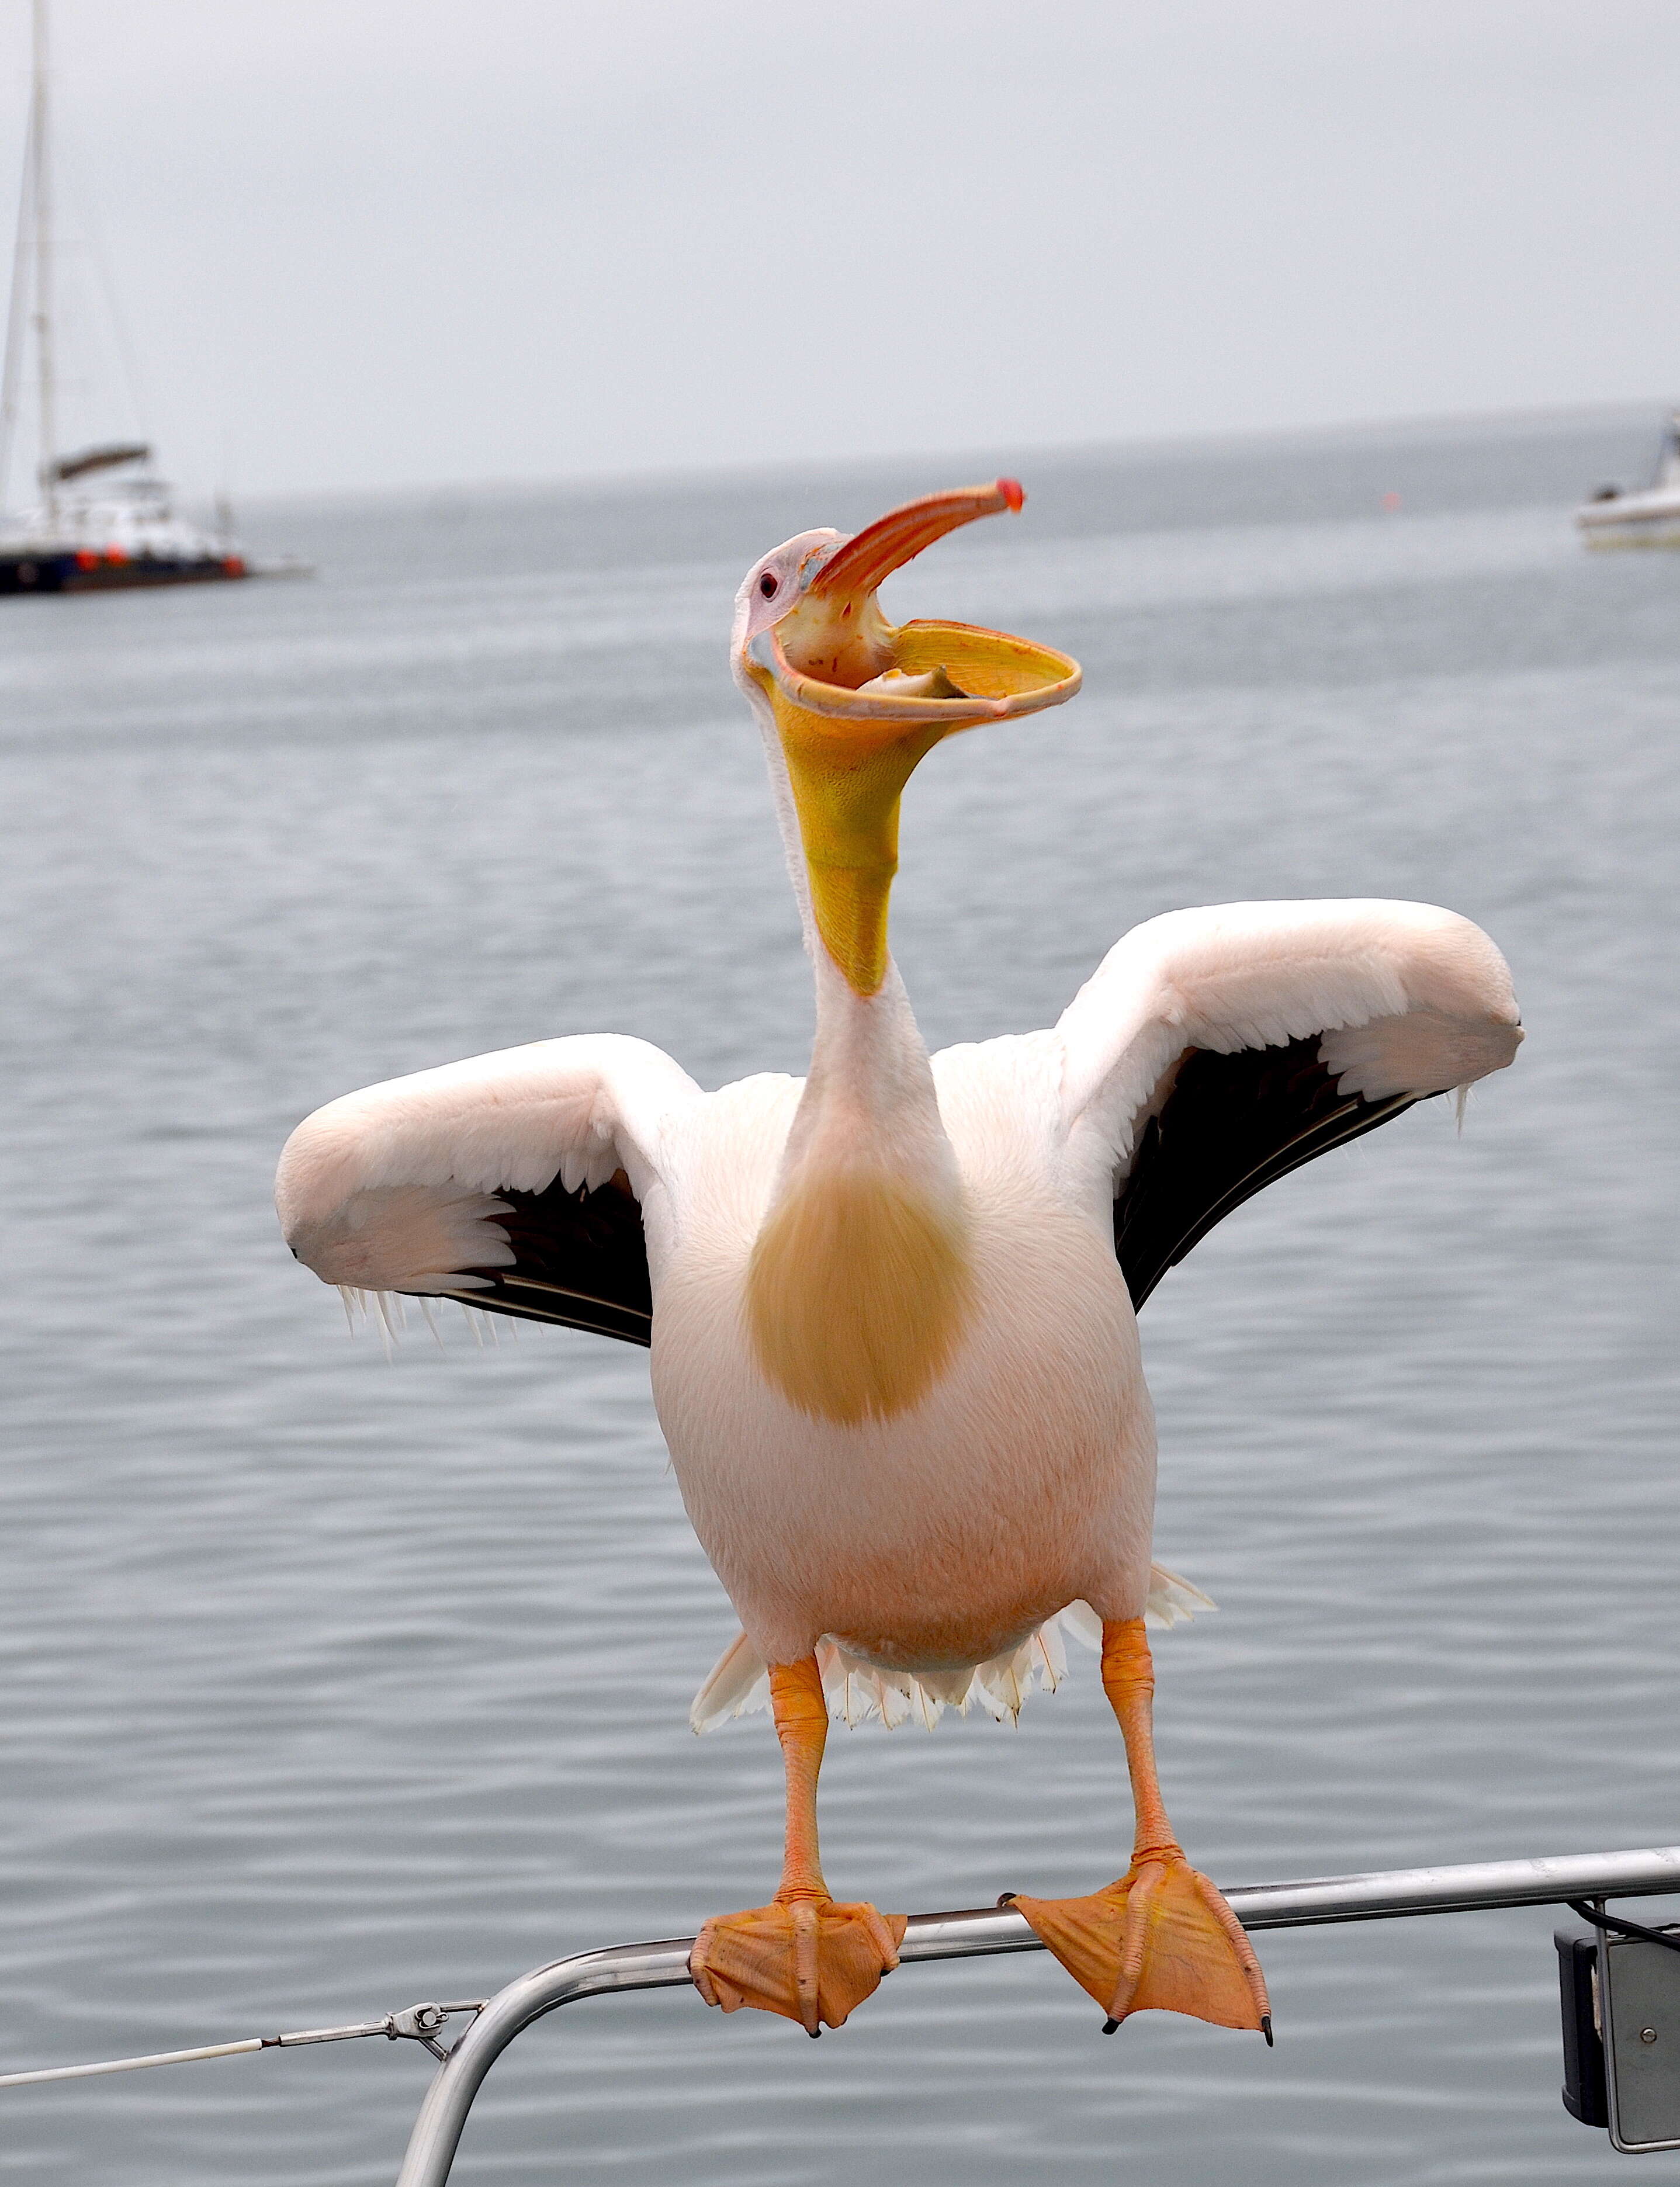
{"x":846,"y":792}
{"x":858,"y":1294}
{"x":850,"y":751}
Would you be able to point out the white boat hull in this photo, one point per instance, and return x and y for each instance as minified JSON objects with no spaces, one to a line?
{"x":1648,"y":516}
{"x":1651,"y":519}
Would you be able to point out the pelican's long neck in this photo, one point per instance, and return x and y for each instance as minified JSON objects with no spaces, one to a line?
{"x":869,"y":1101}
{"x":869,"y":1098}
{"x":860,"y":1286}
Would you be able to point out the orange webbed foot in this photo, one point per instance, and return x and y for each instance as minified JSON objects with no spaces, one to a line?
{"x":808,"y":1959}
{"x":1162,"y":1939}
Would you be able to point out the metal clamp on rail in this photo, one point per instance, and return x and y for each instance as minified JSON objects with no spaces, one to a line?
{"x":1621,"y":1987}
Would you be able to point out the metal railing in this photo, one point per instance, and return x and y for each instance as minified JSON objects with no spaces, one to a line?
{"x":1471,"y":1887}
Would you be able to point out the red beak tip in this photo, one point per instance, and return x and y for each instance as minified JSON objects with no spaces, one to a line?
{"x":1013,"y":493}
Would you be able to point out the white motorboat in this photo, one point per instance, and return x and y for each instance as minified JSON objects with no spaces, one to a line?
{"x":1646,"y":516}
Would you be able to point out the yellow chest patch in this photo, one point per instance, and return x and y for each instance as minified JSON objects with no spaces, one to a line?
{"x":858,"y":1294}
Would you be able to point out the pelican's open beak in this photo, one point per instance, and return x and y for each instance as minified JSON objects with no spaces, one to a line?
{"x":858,"y":701}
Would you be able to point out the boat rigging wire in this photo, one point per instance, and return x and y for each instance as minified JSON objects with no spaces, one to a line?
{"x":420,"y":2023}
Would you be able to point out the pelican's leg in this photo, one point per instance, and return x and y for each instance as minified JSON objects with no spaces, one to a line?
{"x":802,"y":1955}
{"x":1162,"y":1936}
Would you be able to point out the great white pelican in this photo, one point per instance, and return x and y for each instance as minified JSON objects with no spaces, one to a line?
{"x":891,"y":1305}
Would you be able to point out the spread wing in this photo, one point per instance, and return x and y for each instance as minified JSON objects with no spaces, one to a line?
{"x":512,"y":1182}
{"x":1213,"y":1051}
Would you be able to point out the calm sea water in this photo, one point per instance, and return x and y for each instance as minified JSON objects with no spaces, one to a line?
{"x":328,"y":1683}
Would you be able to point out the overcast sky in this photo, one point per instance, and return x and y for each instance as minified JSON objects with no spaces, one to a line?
{"x":383,"y":242}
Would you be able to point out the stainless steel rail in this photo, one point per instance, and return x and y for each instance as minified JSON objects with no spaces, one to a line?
{"x":1473,"y":1886}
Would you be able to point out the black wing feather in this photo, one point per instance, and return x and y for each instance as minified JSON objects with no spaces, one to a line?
{"x":581,"y":1263}
{"x":1230,"y":1126}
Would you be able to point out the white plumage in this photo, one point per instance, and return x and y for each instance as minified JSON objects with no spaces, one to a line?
{"x":396,"y":1189}
{"x":858,"y":1691}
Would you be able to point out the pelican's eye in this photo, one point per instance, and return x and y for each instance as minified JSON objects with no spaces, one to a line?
{"x":767,"y":585}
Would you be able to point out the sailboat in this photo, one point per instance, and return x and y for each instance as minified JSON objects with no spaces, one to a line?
{"x":104,"y":519}
{"x":1646,"y":516}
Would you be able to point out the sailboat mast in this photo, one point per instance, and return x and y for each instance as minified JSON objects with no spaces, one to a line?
{"x":17,"y":313}
{"x":41,"y":182}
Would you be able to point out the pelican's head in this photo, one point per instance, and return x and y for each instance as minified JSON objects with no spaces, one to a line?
{"x":852,"y":702}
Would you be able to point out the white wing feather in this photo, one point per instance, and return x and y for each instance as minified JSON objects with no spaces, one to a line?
{"x":1410,"y":999}
{"x":394,"y":1187}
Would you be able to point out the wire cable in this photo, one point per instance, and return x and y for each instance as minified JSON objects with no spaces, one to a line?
{"x":420,"y":2023}
{"x":1614,"y":1923}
